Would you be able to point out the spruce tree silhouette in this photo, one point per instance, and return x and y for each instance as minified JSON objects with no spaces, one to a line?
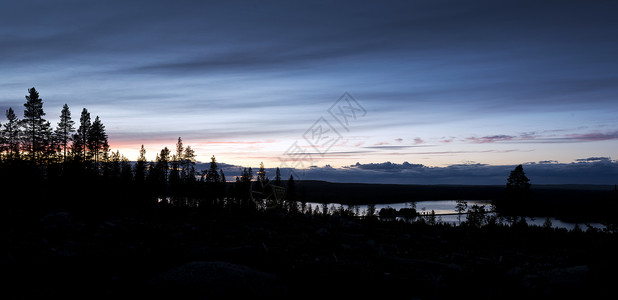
{"x":517,"y":181}
{"x":278,"y":177}
{"x":80,"y":139}
{"x":97,"y":141}
{"x":517,"y":193}
{"x":37,"y":131}
{"x":140,"y":166}
{"x":64,"y":130}
{"x":10,"y":134}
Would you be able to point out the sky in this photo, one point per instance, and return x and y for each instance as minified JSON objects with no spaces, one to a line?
{"x":327,"y":83}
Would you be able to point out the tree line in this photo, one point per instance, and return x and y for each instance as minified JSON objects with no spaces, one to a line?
{"x":72,"y":165}
{"x":33,"y":140}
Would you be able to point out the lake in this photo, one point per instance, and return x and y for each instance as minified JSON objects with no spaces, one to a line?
{"x":445,"y":212}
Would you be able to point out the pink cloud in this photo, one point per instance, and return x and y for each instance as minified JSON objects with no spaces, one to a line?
{"x":490,"y":139}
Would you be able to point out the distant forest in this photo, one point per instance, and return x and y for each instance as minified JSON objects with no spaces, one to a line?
{"x":71,"y":166}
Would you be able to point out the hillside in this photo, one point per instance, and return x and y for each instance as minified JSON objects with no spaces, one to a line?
{"x":363,"y":193}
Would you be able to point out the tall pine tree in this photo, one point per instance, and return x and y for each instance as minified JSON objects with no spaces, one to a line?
{"x":188,"y":166}
{"x":261,"y":175}
{"x":213,"y":173}
{"x":64,"y":130}
{"x":97,"y":141}
{"x":37,"y":132}
{"x":11,"y":133}
{"x":140,"y":166}
{"x":278,"y":177}
{"x":80,"y":139}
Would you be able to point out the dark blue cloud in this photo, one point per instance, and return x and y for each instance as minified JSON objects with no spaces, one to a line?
{"x":595,"y":170}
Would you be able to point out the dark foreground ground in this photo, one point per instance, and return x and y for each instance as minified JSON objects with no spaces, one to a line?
{"x":191,"y":254}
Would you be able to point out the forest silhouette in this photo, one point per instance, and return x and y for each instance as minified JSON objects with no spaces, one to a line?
{"x":83,"y":221}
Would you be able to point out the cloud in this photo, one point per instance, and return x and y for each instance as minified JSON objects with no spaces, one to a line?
{"x":602,"y":171}
{"x":548,"y":162}
{"x":394,"y":147}
{"x":592,"y":137}
{"x":387,"y":166}
{"x":490,"y":139}
{"x":533,"y":137}
{"x":594,"y":159}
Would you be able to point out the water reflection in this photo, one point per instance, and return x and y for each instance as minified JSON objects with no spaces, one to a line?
{"x":445,"y":212}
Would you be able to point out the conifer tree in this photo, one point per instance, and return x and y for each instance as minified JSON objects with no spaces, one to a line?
{"x":113,"y":167}
{"x":80,"y":139}
{"x":2,"y":142}
{"x":188,"y":166}
{"x":179,"y":148}
{"x":64,"y":130}
{"x":213,"y":173}
{"x":291,"y":189}
{"x":97,"y":140}
{"x":278,"y":177}
{"x":222,"y":185}
{"x":176,"y":162}
{"x":11,"y":133}
{"x":126,"y":172}
{"x":37,"y":131}
{"x":517,"y":181}
{"x":162,"y":165}
{"x":222,"y":176}
{"x":261,"y":176}
{"x":140,"y":166}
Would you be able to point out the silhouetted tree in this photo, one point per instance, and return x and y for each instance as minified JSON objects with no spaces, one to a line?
{"x":80,"y":139}
{"x":140,"y":166}
{"x":126,"y":171}
{"x":243,"y":186}
{"x":11,"y":134}
{"x":460,"y":207}
{"x":188,"y":165}
{"x":476,"y":216}
{"x":37,"y":132}
{"x":291,"y":189}
{"x":64,"y":130}
{"x":262,"y":182}
{"x":516,"y":196}
{"x":2,"y":143}
{"x":158,"y":173}
{"x":212,"y":176}
{"x":517,"y":182}
{"x":222,"y":185}
{"x":97,"y":141}
{"x":547,"y":224}
{"x":261,"y":175}
{"x":371,"y":210}
{"x":176,"y":162}
{"x":278,"y":177}
{"x":152,"y":175}
{"x":112,"y":167}
{"x":162,"y":165}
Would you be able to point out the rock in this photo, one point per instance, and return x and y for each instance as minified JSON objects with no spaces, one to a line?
{"x":215,"y":280}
